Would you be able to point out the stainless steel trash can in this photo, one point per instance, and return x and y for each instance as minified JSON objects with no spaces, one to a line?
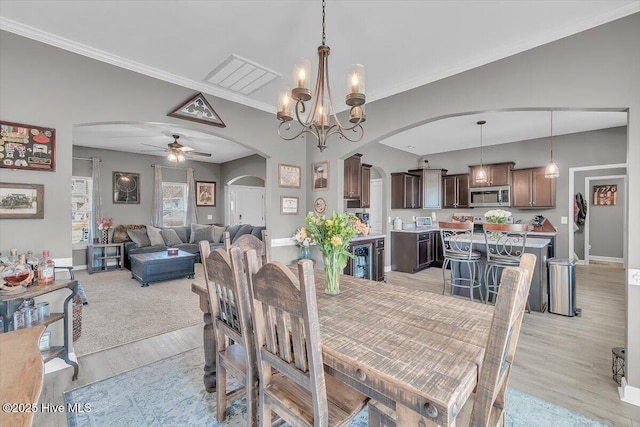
{"x":562,"y":286}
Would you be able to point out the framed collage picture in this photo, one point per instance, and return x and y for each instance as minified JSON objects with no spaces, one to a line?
{"x":289,"y":176}
{"x":27,"y":147}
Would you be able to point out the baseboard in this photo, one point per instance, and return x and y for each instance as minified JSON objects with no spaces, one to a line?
{"x":606,"y":259}
{"x":387,"y":268}
{"x":629,"y":393}
{"x":284,"y":241}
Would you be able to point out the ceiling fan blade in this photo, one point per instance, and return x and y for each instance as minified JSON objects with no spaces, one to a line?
{"x":198,"y":153}
{"x":156,"y":150}
{"x":155,"y":146}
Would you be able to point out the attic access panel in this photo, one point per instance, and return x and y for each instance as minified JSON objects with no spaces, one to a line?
{"x":197,"y":109}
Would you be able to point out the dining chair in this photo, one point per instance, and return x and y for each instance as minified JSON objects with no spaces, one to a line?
{"x":287,"y":339}
{"x":249,"y":241}
{"x":457,"y":244}
{"x":235,"y":352}
{"x":487,"y":405}
{"x":504,"y":248}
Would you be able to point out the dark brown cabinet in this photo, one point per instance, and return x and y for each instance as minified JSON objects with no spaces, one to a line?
{"x":364,"y":201}
{"x":352,"y":177}
{"x":431,"y":187}
{"x":411,"y":252}
{"x":405,"y":191}
{"x":455,"y":191}
{"x":531,"y":189}
{"x":368,"y":259}
{"x":497,"y":174}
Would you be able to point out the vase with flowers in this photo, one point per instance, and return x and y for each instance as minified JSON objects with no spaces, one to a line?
{"x":304,"y":243}
{"x":104,"y":224}
{"x":497,"y":216}
{"x":332,"y":236}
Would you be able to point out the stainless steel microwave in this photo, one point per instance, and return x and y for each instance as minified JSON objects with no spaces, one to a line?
{"x":482,"y":197}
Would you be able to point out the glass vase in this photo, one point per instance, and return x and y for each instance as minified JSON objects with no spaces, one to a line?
{"x":332,"y":274}
{"x":304,"y":252}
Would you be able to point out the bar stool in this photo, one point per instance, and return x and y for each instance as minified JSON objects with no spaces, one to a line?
{"x":457,"y":244}
{"x":505,"y":246}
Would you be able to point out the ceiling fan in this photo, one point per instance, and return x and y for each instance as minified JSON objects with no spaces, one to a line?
{"x":177,"y":151}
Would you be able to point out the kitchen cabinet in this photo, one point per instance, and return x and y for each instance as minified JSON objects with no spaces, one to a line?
{"x":431,"y":187}
{"x":531,"y":189}
{"x":365,"y":189}
{"x":405,"y":191}
{"x":455,"y":191}
{"x":497,"y":174}
{"x":368,"y":259}
{"x":9,"y":304}
{"x":352,"y":177}
{"x":413,"y":251}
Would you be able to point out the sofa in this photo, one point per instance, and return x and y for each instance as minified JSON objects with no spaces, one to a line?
{"x":139,"y":239}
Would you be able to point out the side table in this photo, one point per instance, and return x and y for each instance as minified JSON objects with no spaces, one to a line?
{"x":105,"y":257}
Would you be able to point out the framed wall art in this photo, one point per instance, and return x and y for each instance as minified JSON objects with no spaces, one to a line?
{"x":126,"y":188}
{"x":21,"y":201}
{"x":289,"y":176}
{"x":197,"y":109}
{"x":27,"y":147}
{"x":320,"y":176}
{"x":605,"y":195}
{"x":205,"y":193}
{"x":288,"y":205}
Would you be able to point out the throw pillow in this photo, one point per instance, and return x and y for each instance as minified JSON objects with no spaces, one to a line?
{"x":218,"y":233}
{"x":201,"y":232}
{"x":154,"y":236}
{"x":245,"y":229}
{"x":170,"y":237}
{"x":139,"y":237}
{"x":120,"y":232}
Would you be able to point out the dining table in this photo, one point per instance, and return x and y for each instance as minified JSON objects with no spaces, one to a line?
{"x":417,"y":352}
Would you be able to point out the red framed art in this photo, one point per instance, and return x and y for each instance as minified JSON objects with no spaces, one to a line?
{"x":27,"y":147}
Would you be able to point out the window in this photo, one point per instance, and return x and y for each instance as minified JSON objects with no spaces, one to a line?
{"x":81,"y":221}
{"x":174,"y":204}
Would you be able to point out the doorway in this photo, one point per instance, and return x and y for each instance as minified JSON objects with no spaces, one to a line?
{"x":245,"y":205}
{"x":376,"y":214}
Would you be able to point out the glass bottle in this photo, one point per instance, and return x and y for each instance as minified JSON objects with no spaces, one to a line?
{"x":16,"y":271}
{"x":32,"y":262}
{"x":46,"y":270}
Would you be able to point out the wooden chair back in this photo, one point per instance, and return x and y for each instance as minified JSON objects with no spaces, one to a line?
{"x":287,"y":335}
{"x":205,"y":250}
{"x":488,"y":407}
{"x":457,"y":239}
{"x":249,"y":241}
{"x":505,"y":242}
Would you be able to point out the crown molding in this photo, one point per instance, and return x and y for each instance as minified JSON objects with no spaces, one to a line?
{"x":513,"y":49}
{"x":84,"y":50}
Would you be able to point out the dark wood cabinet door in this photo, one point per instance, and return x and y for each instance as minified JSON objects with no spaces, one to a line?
{"x":449,"y":191}
{"x":544,"y":189}
{"x":462,"y":191}
{"x":379,"y":266}
{"x":423,"y":253}
{"x":473,"y":171}
{"x":415,"y":198}
{"x":352,"y":177}
{"x":521,"y":188}
{"x":365,"y":196}
{"x":500,"y":174}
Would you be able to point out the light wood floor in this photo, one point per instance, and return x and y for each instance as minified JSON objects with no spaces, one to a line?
{"x":566,"y":361}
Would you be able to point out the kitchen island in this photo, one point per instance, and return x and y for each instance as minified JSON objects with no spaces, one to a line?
{"x":539,"y":246}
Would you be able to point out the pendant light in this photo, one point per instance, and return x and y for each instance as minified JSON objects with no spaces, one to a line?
{"x":552,"y":170}
{"x":481,"y":174}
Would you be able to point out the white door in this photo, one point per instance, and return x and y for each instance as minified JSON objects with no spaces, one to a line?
{"x":376,"y":215}
{"x":246,"y":205}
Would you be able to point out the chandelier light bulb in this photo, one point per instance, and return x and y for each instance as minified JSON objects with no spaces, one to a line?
{"x":172,"y":157}
{"x":481,"y":176}
{"x":181,"y":157}
{"x":552,"y":170}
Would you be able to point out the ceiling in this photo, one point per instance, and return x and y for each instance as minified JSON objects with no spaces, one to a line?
{"x":402,"y":44}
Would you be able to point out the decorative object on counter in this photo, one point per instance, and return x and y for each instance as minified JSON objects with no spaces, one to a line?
{"x":304,"y":242}
{"x":317,"y":118}
{"x":172,"y":251}
{"x":363,"y":229}
{"x":104,"y":224}
{"x":332,"y":235}
{"x":21,"y":201}
{"x":552,"y":170}
{"x":497,"y":216}
{"x":481,"y":175}
{"x":27,"y":147}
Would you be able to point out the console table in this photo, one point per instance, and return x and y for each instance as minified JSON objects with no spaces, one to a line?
{"x":104,"y":257}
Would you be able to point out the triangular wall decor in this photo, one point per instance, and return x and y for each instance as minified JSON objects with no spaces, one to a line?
{"x":197,"y":109}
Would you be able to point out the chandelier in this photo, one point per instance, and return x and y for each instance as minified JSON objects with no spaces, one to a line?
{"x":321,"y":120}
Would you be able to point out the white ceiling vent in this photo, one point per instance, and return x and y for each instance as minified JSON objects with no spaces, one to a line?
{"x":241,"y":75}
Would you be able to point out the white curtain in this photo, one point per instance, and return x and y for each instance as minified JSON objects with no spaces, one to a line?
{"x":191,"y":214}
{"x":156,"y":215}
{"x":96,"y":197}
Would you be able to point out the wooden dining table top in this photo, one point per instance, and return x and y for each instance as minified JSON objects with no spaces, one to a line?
{"x":403,"y":347}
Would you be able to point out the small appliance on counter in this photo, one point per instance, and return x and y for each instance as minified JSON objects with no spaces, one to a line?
{"x":397,"y":224}
{"x":423,"y":221}
{"x":364,"y":217}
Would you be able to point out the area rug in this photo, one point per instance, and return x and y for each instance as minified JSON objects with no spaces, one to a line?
{"x":120,"y":311}
{"x":170,"y":393}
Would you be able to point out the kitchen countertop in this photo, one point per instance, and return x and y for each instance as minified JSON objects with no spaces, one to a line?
{"x":368,"y":237}
{"x":416,"y":230}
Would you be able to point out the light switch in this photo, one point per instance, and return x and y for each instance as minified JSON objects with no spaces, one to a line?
{"x":564,"y":220}
{"x":209,"y":216}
